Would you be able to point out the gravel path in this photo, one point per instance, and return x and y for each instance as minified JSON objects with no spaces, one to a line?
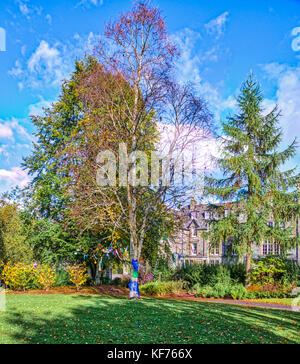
{"x":251,"y":304}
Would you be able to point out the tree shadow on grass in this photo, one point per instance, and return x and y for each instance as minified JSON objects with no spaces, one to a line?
{"x":106,"y":319}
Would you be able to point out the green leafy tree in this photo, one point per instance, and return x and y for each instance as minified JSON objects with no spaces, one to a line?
{"x":46,"y":193}
{"x":52,"y":234}
{"x":254,"y":187}
{"x":13,"y":245}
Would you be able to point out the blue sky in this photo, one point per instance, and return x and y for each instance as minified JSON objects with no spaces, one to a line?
{"x":220,"y":43}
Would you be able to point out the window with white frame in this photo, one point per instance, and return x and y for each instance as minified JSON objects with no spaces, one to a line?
{"x":215,"y":250}
{"x":270,"y":247}
{"x":265,"y":249}
{"x":206,"y":215}
{"x":276,"y":249}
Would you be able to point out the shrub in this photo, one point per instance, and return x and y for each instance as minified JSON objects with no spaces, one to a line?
{"x":125,"y":282}
{"x":204,"y":274}
{"x":116,"y":281}
{"x":270,"y":291}
{"x":159,"y":288}
{"x":238,"y":292}
{"x":46,"y":276}
{"x":78,"y":275}
{"x":267,"y":270}
{"x":62,"y":278}
{"x":238,"y":272}
{"x":193,"y":274}
{"x":205,"y":291}
{"x":163,"y":270}
{"x":220,"y":290}
{"x":19,"y":276}
{"x":105,"y":280}
{"x":221,"y":276}
{"x":273,"y":277}
{"x":145,"y":277}
{"x":292,"y":273}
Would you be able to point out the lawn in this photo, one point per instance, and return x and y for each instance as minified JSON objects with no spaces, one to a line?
{"x":106,"y":319}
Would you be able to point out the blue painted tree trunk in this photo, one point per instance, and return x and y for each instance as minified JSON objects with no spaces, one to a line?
{"x":134,"y":283}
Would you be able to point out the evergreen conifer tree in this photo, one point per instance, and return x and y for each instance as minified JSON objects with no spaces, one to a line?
{"x":259,"y":195}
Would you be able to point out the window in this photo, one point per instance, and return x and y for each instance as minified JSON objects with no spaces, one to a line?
{"x":206,"y":215}
{"x":194,"y":249}
{"x":215,"y":251}
{"x":276,"y":249}
{"x":270,"y":248}
{"x":265,"y":249}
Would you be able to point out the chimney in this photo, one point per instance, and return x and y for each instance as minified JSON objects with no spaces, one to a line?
{"x":193,"y":205}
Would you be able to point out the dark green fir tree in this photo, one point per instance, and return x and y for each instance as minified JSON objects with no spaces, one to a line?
{"x":257,"y":198}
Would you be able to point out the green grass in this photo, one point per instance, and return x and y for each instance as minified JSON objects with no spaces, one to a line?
{"x":104,"y":319}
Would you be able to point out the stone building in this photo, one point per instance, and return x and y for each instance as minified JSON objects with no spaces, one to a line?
{"x":188,"y":245}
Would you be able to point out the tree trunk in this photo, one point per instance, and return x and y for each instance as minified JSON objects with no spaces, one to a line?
{"x":248,"y":267}
{"x":134,"y":292}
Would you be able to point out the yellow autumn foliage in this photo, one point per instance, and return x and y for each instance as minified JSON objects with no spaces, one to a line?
{"x":78,"y":275}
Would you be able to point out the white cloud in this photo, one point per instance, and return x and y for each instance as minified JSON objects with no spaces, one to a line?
{"x":216,"y":26}
{"x":16,"y":176}
{"x":90,"y":2}
{"x":10,"y":129}
{"x":44,"y":52}
{"x":192,"y":61}
{"x":188,"y":66}
{"x":37,"y":108}
{"x":46,"y":67}
{"x":49,"y":19}
{"x":193,"y":145}
{"x":46,"y":62}
{"x":49,"y":64}
{"x":85,"y":44}
{"x":3,"y":150}
{"x":287,"y":96}
{"x":27,"y":10}
{"x":17,"y":70}
{"x":24,"y":9}
{"x":23,"y":50}
{"x":6,"y":131}
{"x":191,"y":65}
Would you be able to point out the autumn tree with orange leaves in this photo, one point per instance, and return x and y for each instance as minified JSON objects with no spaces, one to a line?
{"x":130,"y":102}
{"x":129,"y":99}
